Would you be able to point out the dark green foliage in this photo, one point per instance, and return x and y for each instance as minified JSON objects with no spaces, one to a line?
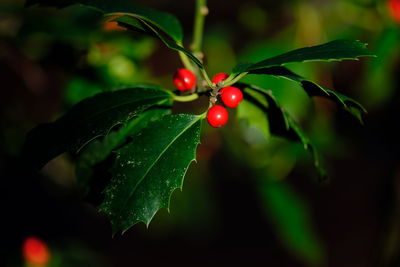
{"x":149,"y":169}
{"x":332,"y":51}
{"x":98,"y":150}
{"x":314,"y":89}
{"x":91,"y":118}
{"x":143,"y":27}
{"x":282,"y":124}
{"x":160,"y":25}
{"x":166,"y":22}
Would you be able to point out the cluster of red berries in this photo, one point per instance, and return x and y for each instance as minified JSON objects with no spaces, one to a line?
{"x":217,"y":115}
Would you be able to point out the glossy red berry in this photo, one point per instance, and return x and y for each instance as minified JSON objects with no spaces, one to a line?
{"x":217,"y":116}
{"x":35,"y":252}
{"x":184,"y":80}
{"x":219,"y":77}
{"x":231,"y":96}
{"x":394,"y":9}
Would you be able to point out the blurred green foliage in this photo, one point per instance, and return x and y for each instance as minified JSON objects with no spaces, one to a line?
{"x":291,"y":217}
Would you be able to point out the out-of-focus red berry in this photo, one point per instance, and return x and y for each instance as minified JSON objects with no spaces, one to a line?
{"x":394,"y":9}
{"x":184,"y":80}
{"x":219,"y":77}
{"x":112,"y":26}
{"x":35,"y":251}
{"x":217,"y":116}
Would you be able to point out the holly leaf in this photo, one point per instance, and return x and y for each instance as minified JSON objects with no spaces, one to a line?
{"x":99,"y":149}
{"x":164,"y":21}
{"x":149,"y":169}
{"x":332,"y":51}
{"x":281,"y":123}
{"x":241,"y":67}
{"x":90,"y":118}
{"x":314,"y":89}
{"x":144,"y":27}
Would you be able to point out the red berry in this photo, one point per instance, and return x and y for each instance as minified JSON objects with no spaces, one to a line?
{"x":35,"y":252}
{"x":184,"y":80}
{"x":394,"y":9}
{"x":219,"y":77}
{"x":231,"y":96}
{"x":217,"y":116}
{"x":111,"y":26}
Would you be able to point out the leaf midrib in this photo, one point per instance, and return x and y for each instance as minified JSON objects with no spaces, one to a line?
{"x":261,"y":63}
{"x":156,"y":160}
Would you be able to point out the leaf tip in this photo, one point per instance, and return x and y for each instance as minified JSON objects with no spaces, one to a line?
{"x":114,"y":231}
{"x":360,"y":120}
{"x":147,"y":224}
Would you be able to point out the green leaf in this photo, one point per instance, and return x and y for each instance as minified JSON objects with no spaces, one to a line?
{"x":253,"y":116}
{"x":241,"y":67}
{"x":291,"y":218}
{"x":314,"y":89}
{"x":332,"y":51}
{"x":149,"y":169}
{"x":87,"y":120}
{"x":282,"y":124}
{"x":166,"y":22}
{"x":144,"y":27}
{"x":98,"y":150}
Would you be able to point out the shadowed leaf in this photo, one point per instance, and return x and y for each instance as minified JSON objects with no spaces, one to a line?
{"x":149,"y":169}
{"x":166,"y":22}
{"x":282,"y":124}
{"x":332,"y":51}
{"x":143,"y":27}
{"x":314,"y":89}
{"x":87,"y":120}
{"x":98,"y":150}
